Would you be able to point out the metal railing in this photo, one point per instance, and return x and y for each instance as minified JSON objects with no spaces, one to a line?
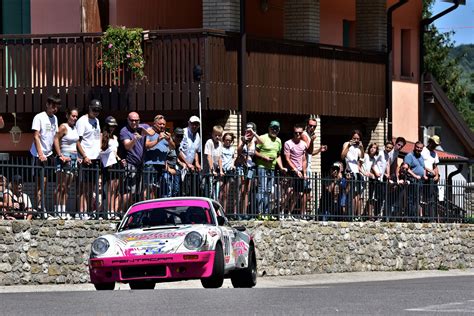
{"x":266,"y":197}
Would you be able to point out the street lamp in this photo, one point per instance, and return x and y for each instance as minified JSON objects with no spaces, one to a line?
{"x":197,"y":74}
{"x":15,"y":132}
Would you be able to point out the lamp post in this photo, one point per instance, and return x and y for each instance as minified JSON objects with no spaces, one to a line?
{"x":197,"y":74}
{"x":15,"y":132}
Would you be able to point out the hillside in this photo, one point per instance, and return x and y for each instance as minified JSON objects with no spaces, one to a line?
{"x":465,"y":55}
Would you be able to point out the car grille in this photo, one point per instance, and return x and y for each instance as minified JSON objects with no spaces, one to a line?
{"x":143,"y":272}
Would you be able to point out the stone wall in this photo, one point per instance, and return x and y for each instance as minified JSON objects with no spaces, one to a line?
{"x":41,"y":252}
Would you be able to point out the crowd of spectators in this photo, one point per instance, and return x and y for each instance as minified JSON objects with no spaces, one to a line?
{"x":142,"y":161}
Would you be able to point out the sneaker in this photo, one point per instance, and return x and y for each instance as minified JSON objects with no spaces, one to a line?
{"x":77,"y":216}
{"x":85,"y":217}
{"x":52,"y":218}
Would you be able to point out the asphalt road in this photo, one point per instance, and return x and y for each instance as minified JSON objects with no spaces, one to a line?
{"x":423,"y":293}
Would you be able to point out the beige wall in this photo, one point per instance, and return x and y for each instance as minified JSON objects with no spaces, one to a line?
{"x":405,"y":110}
{"x":52,"y":16}
{"x":332,"y":13}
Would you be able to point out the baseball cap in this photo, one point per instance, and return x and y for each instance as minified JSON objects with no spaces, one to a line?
{"x":436,"y":139}
{"x":194,"y":119}
{"x":274,"y":124}
{"x":179,"y":131}
{"x":95,"y":104}
{"x":110,"y":120}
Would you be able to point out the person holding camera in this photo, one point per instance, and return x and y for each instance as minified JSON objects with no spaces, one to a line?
{"x":245,"y":166}
{"x":399,"y":191}
{"x":417,"y":171}
{"x":132,"y":146}
{"x":157,"y":149}
{"x":17,"y":204}
{"x":353,"y":154}
{"x":432,"y":173}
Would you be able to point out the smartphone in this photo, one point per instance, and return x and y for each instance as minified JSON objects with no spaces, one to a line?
{"x":167,"y":130}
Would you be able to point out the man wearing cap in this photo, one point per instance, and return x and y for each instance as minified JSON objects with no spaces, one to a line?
{"x":190,"y":150}
{"x":132,"y":146}
{"x":267,"y":157}
{"x":432,"y":173}
{"x":157,"y":148}
{"x":44,"y":126}
{"x":88,"y":148}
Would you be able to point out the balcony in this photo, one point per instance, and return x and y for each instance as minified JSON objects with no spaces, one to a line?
{"x":282,"y":76}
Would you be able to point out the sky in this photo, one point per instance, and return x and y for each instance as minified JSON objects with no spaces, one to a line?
{"x":460,"y":20}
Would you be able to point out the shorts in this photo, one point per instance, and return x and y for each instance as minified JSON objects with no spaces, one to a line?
{"x":90,"y":173}
{"x":152,"y":174}
{"x":46,"y":168}
{"x":133,"y":175}
{"x":247,"y":172}
{"x":296,"y":183}
{"x":69,"y":167}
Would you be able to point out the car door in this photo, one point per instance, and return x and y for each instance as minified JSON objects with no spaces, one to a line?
{"x":228,"y":239}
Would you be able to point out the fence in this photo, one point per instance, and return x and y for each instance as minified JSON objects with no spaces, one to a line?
{"x":268,"y":197}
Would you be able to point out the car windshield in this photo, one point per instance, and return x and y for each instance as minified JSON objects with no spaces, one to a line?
{"x":167,"y":216}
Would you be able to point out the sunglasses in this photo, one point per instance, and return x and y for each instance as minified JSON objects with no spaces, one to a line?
{"x":275,"y":129}
{"x":312,"y":126}
{"x":298,"y":133}
{"x":134,"y":120}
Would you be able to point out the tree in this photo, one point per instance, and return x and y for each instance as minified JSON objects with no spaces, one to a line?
{"x":445,"y":68}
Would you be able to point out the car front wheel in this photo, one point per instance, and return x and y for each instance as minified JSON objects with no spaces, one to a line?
{"x":217,"y":277}
{"x":246,"y":277}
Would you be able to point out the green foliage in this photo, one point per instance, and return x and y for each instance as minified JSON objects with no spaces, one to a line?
{"x":445,"y":68}
{"x":123,"y":47}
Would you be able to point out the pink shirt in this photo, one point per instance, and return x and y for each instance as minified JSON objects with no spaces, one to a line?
{"x":296,"y":152}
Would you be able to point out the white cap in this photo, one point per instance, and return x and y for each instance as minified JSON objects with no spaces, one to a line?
{"x":194,"y":119}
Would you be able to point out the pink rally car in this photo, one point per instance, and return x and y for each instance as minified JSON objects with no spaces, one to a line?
{"x":174,"y":239}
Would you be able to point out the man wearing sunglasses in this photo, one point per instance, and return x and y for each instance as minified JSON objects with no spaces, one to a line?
{"x":295,"y":154}
{"x":267,"y":157}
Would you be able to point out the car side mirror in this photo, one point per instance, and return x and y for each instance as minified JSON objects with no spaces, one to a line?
{"x":221,"y":220}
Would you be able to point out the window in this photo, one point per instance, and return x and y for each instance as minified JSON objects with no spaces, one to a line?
{"x":406,"y":53}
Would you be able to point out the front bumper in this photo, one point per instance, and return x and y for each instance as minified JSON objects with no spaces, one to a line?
{"x":193,"y":265}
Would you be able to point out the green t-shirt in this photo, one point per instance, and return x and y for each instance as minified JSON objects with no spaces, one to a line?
{"x":269,"y":148}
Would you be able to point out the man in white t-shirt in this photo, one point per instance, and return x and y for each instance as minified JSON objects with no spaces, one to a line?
{"x":44,"y":126}
{"x":190,"y":150}
{"x":431,"y":159}
{"x":89,"y":148}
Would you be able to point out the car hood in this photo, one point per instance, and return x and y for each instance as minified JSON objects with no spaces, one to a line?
{"x":157,"y":240}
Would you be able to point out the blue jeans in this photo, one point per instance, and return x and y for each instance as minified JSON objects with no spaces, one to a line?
{"x":171,"y":184}
{"x":266,"y":179}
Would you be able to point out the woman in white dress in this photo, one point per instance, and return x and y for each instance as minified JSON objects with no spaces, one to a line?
{"x":110,"y":165}
{"x":353,"y":154}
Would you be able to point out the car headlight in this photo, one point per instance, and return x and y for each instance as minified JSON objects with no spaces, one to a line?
{"x":100,"y":246}
{"x":193,"y":240}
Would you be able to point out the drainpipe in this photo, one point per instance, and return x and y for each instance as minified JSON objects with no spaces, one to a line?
{"x":242,"y":67}
{"x":388,"y":69}
{"x":449,"y":193}
{"x":423,"y":26}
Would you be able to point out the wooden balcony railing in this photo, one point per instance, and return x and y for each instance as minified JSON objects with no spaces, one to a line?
{"x":284,"y":77}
